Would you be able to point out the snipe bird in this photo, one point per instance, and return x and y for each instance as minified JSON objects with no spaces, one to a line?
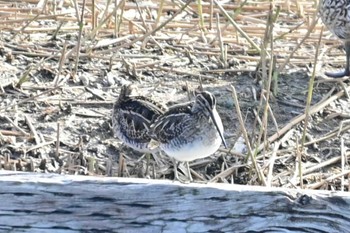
{"x":132,"y":117}
{"x":190,"y":131}
{"x":335,"y":15}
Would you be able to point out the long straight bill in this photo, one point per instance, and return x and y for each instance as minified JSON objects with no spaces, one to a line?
{"x":217,"y":128}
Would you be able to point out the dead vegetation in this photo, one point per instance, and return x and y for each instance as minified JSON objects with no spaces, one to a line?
{"x":62,"y":64}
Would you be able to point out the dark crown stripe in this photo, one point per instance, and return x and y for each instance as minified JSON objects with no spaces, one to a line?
{"x":206,"y":99}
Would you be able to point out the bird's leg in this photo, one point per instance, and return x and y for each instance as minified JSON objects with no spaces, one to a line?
{"x":189,"y":171}
{"x":148,"y":155}
{"x":347,"y":51}
{"x":157,"y":158}
{"x":176,"y":176}
{"x":346,"y":71}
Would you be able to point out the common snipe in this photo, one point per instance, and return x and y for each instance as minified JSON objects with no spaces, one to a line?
{"x":335,"y":15}
{"x":132,"y":117}
{"x":190,"y":131}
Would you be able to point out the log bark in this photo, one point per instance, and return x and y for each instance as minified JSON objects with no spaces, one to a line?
{"x":34,"y":202}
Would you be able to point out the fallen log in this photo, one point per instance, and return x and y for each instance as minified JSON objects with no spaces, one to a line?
{"x":35,"y":202}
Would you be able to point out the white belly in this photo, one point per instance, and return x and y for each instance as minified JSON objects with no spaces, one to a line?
{"x":192,"y":151}
{"x":205,"y":145}
{"x":197,"y":149}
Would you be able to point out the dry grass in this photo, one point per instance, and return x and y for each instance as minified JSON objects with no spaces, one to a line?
{"x":64,"y":38}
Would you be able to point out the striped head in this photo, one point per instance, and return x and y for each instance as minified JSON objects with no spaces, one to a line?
{"x":204,"y":100}
{"x":206,"y":103}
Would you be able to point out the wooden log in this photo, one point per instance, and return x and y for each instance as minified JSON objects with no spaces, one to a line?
{"x":34,"y":202}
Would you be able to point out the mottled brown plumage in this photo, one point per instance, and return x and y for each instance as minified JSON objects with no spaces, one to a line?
{"x":132,"y":117}
{"x":335,"y":15}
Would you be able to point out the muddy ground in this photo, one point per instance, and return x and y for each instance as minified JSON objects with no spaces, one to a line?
{"x":53,"y":119}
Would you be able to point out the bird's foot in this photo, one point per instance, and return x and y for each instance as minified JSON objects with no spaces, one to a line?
{"x":183,"y":181}
{"x":177,"y":178}
{"x":339,"y":74}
